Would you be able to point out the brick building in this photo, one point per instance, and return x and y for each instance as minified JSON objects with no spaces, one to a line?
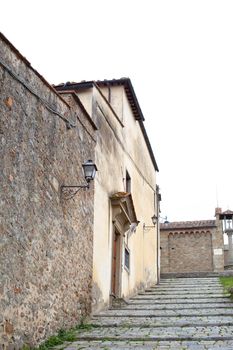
{"x":192,"y":246}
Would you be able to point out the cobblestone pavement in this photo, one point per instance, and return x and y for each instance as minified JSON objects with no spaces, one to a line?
{"x":179,"y":314}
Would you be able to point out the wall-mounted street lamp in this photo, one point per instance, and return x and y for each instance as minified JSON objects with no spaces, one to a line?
{"x":154,"y":221}
{"x":89,"y":170}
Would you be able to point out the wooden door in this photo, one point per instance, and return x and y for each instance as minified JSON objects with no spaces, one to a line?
{"x":116,"y":263}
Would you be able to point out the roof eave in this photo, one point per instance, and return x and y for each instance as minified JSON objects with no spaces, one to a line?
{"x":132,"y":98}
{"x":146,"y":138}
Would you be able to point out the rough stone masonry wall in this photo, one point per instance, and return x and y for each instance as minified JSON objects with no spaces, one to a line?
{"x":45,"y":240}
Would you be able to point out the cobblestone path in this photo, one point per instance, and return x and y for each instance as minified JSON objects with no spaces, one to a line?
{"x":179,"y":314}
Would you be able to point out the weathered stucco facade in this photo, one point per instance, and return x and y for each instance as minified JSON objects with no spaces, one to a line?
{"x":192,"y":246}
{"x":125,"y":250}
{"x":46,"y":241}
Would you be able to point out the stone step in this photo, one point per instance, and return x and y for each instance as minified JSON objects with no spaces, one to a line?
{"x":164,"y":321}
{"x":191,"y":283}
{"x":152,"y":345}
{"x":174,"y":278}
{"x":169,"y":287}
{"x":179,"y":296}
{"x":185,"y":287}
{"x":187,"y":279}
{"x":179,"y":314}
{"x":183,"y":292}
{"x":191,"y":287}
{"x":159,"y":333}
{"x":172,"y":288}
{"x":169,"y":300}
{"x":151,"y":306}
{"x":175,"y":312}
{"x":178,"y":275}
{"x":153,"y":301}
{"x":188,"y":283}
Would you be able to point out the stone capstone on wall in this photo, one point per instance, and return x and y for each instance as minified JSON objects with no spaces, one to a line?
{"x":46,"y":241}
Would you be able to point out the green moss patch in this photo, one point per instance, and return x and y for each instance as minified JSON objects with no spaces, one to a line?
{"x":227,"y":282}
{"x":64,"y":336}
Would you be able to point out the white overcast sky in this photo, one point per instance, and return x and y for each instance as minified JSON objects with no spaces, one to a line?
{"x":179,"y":57}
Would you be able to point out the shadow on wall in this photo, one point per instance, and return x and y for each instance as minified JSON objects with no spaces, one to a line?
{"x":97,"y":298}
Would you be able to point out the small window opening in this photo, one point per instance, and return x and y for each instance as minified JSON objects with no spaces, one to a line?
{"x":128,"y":182}
{"x":127,"y":258}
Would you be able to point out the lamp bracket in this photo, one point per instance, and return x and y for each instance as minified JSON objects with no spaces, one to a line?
{"x":145,"y":226}
{"x":81,"y":186}
{"x":68,"y":192}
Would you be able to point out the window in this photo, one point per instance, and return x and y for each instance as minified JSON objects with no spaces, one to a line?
{"x":127,"y":182}
{"x":127,"y":259}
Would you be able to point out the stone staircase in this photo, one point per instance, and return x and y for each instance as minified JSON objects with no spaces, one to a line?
{"x":179,"y":314}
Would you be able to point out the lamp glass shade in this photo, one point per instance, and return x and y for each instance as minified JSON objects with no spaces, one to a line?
{"x":154,"y":219}
{"x":89,"y":169}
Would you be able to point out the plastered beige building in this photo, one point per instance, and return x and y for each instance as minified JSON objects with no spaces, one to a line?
{"x":125,"y":251}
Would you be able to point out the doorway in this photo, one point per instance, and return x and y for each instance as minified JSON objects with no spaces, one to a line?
{"x":116,"y":263}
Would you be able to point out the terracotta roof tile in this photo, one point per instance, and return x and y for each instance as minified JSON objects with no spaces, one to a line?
{"x":188,"y":224}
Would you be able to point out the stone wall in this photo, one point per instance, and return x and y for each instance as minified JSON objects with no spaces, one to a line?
{"x":46,"y":240}
{"x":189,"y":251}
{"x":191,"y":246}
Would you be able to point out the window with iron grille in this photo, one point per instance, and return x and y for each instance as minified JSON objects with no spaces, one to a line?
{"x":127,"y":258}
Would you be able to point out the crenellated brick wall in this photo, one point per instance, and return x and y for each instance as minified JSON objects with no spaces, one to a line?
{"x":192,"y":246}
